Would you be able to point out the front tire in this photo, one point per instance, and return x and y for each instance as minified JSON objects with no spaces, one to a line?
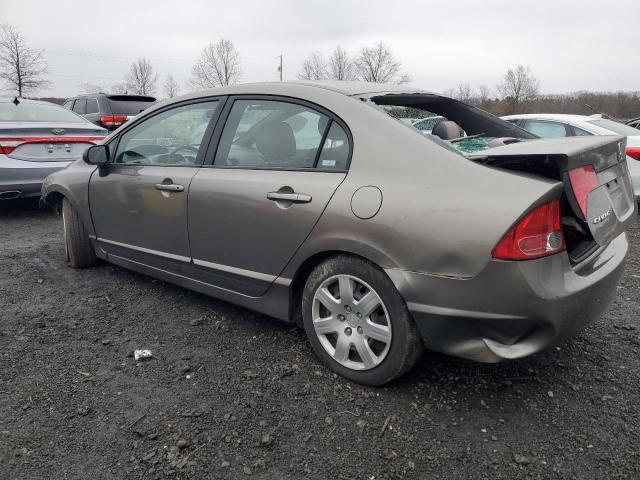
{"x":357,"y":322}
{"x":78,"y":248}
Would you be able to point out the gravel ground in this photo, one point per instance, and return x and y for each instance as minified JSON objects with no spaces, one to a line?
{"x":233,"y":394}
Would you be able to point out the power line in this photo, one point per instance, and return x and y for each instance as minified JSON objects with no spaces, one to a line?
{"x":83,"y":76}
{"x":113,"y":57}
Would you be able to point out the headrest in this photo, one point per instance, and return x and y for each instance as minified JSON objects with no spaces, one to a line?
{"x":275,"y":141}
{"x":446,"y":130}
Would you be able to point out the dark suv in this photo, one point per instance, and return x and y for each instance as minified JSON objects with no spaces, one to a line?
{"x":108,"y":111}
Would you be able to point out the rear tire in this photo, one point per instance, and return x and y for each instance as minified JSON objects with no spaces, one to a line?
{"x":79,"y":251}
{"x":369,"y":344}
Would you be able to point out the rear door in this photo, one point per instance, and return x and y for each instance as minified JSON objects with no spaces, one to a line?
{"x":139,"y":202}
{"x":276,"y":166}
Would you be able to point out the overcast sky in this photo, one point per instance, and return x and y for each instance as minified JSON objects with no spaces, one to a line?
{"x":569,"y":44}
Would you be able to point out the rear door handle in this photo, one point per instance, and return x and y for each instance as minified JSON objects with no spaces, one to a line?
{"x":289,"y":197}
{"x":170,"y":187}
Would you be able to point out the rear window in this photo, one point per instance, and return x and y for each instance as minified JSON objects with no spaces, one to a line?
{"x":469,"y":129}
{"x":129,"y":105}
{"x":614,"y":127}
{"x":36,"y":112}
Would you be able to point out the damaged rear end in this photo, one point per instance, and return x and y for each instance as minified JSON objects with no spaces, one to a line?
{"x":597,"y":203}
{"x":553,"y":270}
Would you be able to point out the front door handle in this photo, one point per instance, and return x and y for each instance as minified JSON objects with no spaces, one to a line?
{"x":289,"y":197}
{"x":170,"y":187}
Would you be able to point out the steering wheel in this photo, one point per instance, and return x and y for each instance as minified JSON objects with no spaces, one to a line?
{"x":192,"y":151}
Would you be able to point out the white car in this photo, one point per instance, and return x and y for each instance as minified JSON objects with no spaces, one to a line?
{"x":555,"y":125}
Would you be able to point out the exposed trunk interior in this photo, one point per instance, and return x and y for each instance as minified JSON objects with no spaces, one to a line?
{"x":611,"y":203}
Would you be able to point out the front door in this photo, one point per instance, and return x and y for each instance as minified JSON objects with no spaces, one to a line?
{"x":139,"y":202}
{"x":275,"y":169}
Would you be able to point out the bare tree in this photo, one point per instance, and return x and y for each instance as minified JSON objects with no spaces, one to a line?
{"x":449,"y":92}
{"x":314,"y":68}
{"x":88,"y":88}
{"x":378,"y":64}
{"x":483,"y":95}
{"x":119,"y":88}
{"x":519,"y":86}
{"x":341,"y":67}
{"x":218,"y":65}
{"x":464,"y":93}
{"x":21,"y":68}
{"x":141,"y":79}
{"x":170,"y":86}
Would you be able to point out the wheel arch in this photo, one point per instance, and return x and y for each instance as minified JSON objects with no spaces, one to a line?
{"x":304,"y":269}
{"x":54,"y":199}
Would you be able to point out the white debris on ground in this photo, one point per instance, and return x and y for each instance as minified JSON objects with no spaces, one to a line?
{"x":142,"y":355}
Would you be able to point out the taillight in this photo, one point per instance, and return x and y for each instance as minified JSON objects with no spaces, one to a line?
{"x":634,"y":152}
{"x":537,"y":234}
{"x":8,"y":145}
{"x":583,"y":181}
{"x":113,"y":120}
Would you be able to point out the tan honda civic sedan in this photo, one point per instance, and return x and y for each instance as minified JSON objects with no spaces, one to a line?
{"x":322,"y":204}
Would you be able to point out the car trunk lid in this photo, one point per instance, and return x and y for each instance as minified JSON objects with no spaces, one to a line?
{"x":598,"y":201}
{"x":48,"y":142}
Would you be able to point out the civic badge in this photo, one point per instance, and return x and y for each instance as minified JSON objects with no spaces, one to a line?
{"x":58,"y":131}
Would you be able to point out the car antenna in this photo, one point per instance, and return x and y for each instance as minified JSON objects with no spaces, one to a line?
{"x":16,"y":101}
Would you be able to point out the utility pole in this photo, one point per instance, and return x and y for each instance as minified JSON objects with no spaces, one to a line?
{"x":280,"y":67}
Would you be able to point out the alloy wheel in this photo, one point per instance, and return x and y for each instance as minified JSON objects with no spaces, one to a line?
{"x":351,"y":322}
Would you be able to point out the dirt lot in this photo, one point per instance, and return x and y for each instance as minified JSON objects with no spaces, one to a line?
{"x":233,"y":394}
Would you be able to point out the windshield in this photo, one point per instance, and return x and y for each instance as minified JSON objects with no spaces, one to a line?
{"x":466,"y":128}
{"x":36,"y":112}
{"x":615,"y":127}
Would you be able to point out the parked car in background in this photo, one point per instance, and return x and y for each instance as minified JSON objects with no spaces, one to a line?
{"x":309,"y":202}
{"x":109,"y":111}
{"x":548,"y":125}
{"x":426,"y":125}
{"x":36,"y":139}
{"x":634,"y":122}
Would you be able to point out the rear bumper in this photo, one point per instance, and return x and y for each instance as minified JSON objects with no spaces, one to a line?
{"x":24,"y":177}
{"x":512,"y":309}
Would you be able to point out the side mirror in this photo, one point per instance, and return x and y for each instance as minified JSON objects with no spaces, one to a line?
{"x":97,"y":155}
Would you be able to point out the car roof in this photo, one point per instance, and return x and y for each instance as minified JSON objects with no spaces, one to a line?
{"x":359,"y":88}
{"x":348,"y":88}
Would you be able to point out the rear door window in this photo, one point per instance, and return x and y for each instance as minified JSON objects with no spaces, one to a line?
{"x":92,"y":105}
{"x":578,"y":132}
{"x":335,"y":151}
{"x":271,"y":134}
{"x":80,"y":106}
{"x":545,"y":129}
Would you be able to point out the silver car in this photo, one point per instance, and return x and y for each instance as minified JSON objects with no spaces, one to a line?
{"x":36,"y":139}
{"x":315,"y":204}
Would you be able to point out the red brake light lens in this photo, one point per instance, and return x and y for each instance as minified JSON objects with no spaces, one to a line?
{"x":113,"y":120}
{"x":634,"y":152}
{"x":583,"y":181}
{"x":537,"y":234}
